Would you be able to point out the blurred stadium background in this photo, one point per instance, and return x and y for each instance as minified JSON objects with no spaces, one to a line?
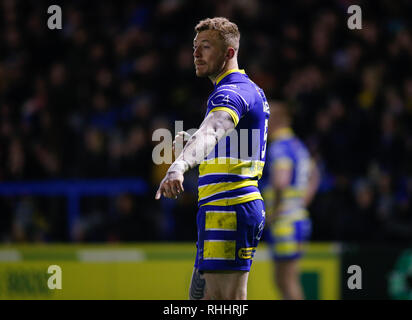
{"x":78,"y":107}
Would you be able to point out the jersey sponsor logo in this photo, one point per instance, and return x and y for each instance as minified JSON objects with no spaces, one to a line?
{"x":246,"y":253}
{"x":225,"y":99}
{"x":229,"y":90}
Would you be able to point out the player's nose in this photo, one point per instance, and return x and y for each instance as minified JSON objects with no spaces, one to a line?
{"x":196,"y":53}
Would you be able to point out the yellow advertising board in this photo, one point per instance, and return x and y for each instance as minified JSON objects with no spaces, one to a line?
{"x":141,"y":272}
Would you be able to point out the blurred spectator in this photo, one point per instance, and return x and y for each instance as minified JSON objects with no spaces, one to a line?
{"x":93,"y":158}
{"x":91,"y":224}
{"x":368,"y":226}
{"x":28,"y":225}
{"x":126,"y":224}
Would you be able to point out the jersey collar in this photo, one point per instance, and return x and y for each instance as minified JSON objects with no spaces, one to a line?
{"x":220,"y":78}
{"x":286,"y":132}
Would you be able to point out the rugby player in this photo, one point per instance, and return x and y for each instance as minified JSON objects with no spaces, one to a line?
{"x":289,"y":183}
{"x":231,"y":214}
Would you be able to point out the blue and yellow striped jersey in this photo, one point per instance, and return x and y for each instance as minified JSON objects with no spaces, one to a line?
{"x":229,"y":174}
{"x":285,"y":150}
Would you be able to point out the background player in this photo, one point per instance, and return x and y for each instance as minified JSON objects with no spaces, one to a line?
{"x":289,"y":183}
{"x":231,"y":215}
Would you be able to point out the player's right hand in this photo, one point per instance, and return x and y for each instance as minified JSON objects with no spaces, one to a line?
{"x":180,"y":140}
{"x":171,"y":185}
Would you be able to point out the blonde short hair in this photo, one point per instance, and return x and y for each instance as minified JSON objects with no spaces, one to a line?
{"x":228,"y":31}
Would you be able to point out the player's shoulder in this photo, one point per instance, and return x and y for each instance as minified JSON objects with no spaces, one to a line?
{"x":249,"y":86}
{"x":229,"y":88}
{"x":241,"y":83}
{"x":279,"y":146}
{"x":239,"y":87}
{"x":300,"y":143}
{"x":229,"y":93}
{"x":300,"y":149}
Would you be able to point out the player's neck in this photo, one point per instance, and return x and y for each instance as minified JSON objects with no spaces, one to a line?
{"x":230,"y":65}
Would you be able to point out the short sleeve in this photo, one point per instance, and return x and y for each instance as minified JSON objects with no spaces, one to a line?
{"x":230,"y":101}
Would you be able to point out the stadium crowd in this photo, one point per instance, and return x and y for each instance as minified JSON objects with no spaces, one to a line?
{"x":83,"y":102}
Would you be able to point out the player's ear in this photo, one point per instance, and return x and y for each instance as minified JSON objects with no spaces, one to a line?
{"x":230,"y":53}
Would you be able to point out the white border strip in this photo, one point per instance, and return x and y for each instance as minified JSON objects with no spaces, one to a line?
{"x":9,"y":255}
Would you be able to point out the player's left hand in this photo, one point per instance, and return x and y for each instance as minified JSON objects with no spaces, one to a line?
{"x":171,"y":185}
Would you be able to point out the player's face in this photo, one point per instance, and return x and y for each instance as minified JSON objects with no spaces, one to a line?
{"x":209,"y":54}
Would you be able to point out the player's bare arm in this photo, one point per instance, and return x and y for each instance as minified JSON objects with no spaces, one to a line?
{"x":179,"y":142}
{"x":215,"y":126}
{"x":280,"y":180}
{"x":313,"y":184}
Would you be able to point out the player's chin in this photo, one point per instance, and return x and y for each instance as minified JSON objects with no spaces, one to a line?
{"x":200,"y":74}
{"x":201,"y":71}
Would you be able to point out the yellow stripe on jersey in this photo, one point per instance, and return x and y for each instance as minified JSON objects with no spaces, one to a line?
{"x":232,"y":113}
{"x":247,"y":168}
{"x":219,"y":250}
{"x":283,"y":163}
{"x":227,"y":73}
{"x":235,"y":200}
{"x":287,"y":193}
{"x":286,"y":248}
{"x":282,"y":133}
{"x":293,"y":193}
{"x":221,"y":220}
{"x":284,"y":229}
{"x":215,"y":188}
